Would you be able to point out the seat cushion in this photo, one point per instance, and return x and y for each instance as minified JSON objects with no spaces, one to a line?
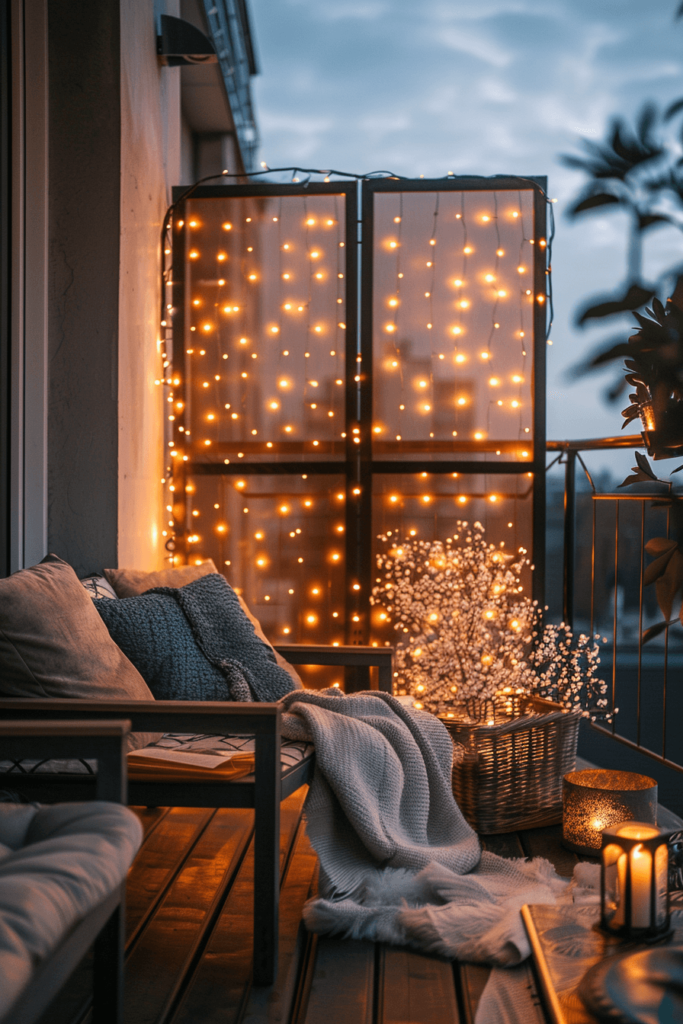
{"x":68,"y":859}
{"x":291,"y":753}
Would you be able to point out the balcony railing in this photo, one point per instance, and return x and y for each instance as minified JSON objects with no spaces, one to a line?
{"x":603,"y":566}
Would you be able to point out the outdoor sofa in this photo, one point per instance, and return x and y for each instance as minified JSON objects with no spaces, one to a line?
{"x":279,"y":767}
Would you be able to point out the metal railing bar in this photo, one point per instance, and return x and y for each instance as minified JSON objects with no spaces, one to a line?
{"x":597,"y":443}
{"x":635,"y":746}
{"x":640,"y":617}
{"x":615,"y":623}
{"x":666,"y":654}
{"x":585,"y":469}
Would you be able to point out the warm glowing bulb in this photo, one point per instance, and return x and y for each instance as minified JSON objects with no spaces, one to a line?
{"x":494,"y":382}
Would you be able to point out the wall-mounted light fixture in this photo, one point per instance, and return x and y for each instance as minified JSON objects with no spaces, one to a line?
{"x":182,"y":43}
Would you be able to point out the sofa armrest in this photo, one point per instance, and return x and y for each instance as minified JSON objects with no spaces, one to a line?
{"x":103,"y":741}
{"x":349,"y":655}
{"x":155,"y":715}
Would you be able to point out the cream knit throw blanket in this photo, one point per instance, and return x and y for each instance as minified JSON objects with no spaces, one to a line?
{"x":398,"y":861}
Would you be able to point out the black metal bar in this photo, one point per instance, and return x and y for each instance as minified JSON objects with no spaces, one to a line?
{"x":593,"y":521}
{"x":108,"y":964}
{"x":180,"y":365}
{"x":640,"y":617}
{"x":456,"y":183}
{"x":569,"y":538}
{"x":472,"y":468}
{"x":597,"y":443}
{"x":665,"y":680}
{"x":355,"y":628}
{"x":359,"y":441}
{"x":101,"y":740}
{"x":615,"y":623}
{"x":636,"y":746}
{"x":255,"y":188}
{"x":539,"y":387}
{"x":266,"y":853}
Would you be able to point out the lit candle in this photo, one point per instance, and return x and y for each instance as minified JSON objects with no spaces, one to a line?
{"x":641,"y":873}
{"x":620,"y":913}
{"x":641,"y":876}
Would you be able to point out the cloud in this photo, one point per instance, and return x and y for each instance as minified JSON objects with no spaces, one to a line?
{"x":474,"y":86}
{"x":475,"y":44}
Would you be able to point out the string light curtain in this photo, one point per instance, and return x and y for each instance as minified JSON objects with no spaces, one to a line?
{"x":305,"y":418}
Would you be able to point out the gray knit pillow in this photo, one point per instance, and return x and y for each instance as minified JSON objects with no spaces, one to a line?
{"x":195,"y":643}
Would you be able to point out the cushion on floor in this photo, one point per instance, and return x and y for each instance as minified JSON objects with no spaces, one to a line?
{"x":56,"y":864}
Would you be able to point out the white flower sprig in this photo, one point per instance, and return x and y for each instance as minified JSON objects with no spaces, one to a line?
{"x":469,"y":632}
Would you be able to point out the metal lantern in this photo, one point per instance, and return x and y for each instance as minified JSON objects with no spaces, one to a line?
{"x":595,"y":798}
{"x":634,"y":882}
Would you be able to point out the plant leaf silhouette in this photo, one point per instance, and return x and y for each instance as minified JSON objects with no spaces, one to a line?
{"x":635,"y":296}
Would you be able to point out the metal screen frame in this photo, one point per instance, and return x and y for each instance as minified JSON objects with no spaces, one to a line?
{"x":358,"y":465}
{"x":370,"y":466}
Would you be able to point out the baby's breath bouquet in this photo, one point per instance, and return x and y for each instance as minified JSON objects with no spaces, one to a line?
{"x":469,"y":635}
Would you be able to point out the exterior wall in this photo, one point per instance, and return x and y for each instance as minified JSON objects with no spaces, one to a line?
{"x":150,"y":165}
{"x":83,"y":288}
{"x":114,"y":155}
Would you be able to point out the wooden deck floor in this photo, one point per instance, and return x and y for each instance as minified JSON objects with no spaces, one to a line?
{"x":190,"y":936}
{"x":189,"y":927}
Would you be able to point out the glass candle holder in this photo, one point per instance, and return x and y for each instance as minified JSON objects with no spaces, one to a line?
{"x":634,"y":880}
{"x":594,"y":799}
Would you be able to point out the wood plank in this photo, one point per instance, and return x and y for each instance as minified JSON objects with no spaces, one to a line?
{"x":505,"y":844}
{"x":166,"y":947}
{"x":221,"y":982}
{"x":416,"y":988}
{"x":274,"y":1004}
{"x":547,"y":842}
{"x":472,"y":980}
{"x":342,"y":990}
{"x":149,"y":818}
{"x":158,"y":862}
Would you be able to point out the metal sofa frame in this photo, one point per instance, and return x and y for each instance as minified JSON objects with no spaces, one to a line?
{"x":106,"y":742}
{"x":263,"y":790}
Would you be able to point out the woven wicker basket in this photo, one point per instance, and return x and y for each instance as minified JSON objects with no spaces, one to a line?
{"x":508,"y":775}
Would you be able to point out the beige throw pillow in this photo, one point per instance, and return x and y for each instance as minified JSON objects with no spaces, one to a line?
{"x":54,"y":644}
{"x":132,"y":582}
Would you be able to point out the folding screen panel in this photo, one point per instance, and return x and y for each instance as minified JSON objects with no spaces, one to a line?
{"x":453,"y":351}
{"x":303,"y":423}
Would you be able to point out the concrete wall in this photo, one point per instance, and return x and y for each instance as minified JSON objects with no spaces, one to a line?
{"x":150,"y":166}
{"x":114,"y":155}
